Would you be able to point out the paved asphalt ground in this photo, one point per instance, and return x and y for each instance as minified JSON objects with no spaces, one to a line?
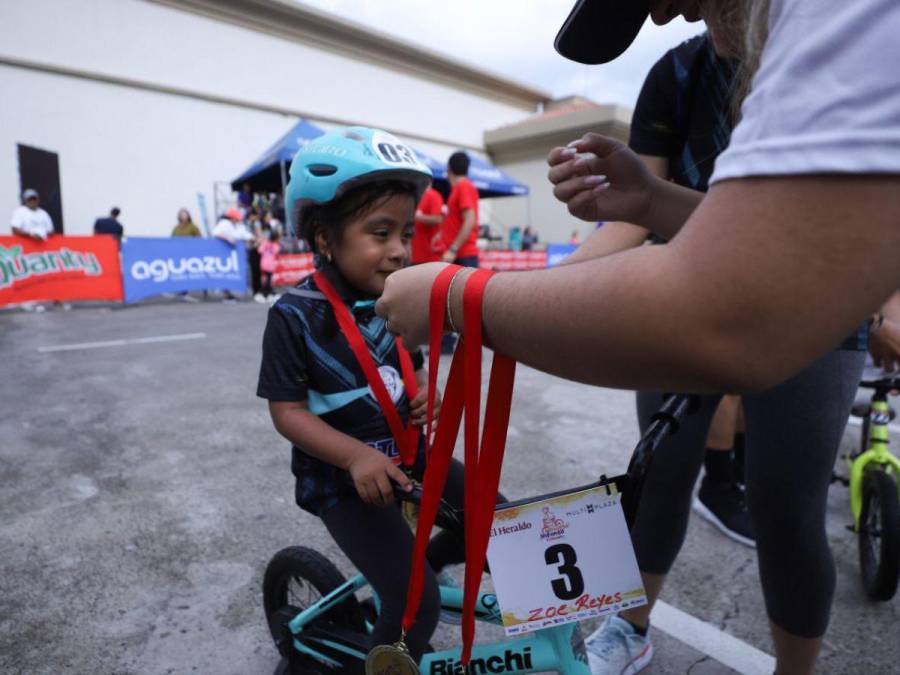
{"x":143,"y":490}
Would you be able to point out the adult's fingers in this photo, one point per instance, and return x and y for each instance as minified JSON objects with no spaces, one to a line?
{"x":560,"y":155}
{"x":601,"y":146}
{"x":567,"y":190}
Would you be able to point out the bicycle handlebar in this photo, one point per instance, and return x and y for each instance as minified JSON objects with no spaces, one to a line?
{"x":447,"y":516}
{"x":664,"y":422}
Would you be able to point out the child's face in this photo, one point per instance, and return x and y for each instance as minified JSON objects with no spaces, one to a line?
{"x":376,"y":244}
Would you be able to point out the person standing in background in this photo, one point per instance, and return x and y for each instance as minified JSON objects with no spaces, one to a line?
{"x":459,"y":231}
{"x":529,"y":239}
{"x":30,"y":220}
{"x":110,"y":224}
{"x":245,"y":198}
{"x":429,"y":216}
{"x":185,"y":226}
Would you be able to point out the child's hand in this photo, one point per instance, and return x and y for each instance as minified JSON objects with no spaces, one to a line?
{"x":372,"y":473}
{"x":418,"y":407}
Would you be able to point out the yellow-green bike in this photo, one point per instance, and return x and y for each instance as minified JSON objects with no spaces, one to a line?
{"x":874,"y":482}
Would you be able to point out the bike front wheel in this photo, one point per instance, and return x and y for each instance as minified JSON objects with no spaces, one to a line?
{"x":879,"y":535}
{"x":296,"y":578}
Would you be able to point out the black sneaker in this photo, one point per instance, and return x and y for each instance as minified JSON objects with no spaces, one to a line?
{"x":723,"y":504}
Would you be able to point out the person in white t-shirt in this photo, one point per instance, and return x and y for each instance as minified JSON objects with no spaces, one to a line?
{"x":30,"y":220}
{"x":795,"y":243}
{"x":231,"y":228}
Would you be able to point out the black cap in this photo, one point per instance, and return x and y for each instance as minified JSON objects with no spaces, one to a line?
{"x":598,"y":31}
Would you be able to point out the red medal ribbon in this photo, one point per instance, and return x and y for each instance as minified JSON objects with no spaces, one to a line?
{"x":406,"y":437}
{"x":482,"y":466}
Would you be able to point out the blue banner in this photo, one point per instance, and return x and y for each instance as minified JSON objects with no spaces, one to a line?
{"x":556,"y":253}
{"x":152,"y":266}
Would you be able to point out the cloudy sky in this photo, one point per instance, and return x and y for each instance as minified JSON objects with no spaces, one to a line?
{"x":514,"y":38}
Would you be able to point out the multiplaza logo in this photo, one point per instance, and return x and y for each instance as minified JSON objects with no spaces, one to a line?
{"x":553,"y":527}
{"x":162,"y":269}
{"x":511,"y":661}
{"x":16,"y":266}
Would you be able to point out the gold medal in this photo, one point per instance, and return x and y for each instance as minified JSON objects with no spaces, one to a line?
{"x":410,"y":513}
{"x":391,"y":660}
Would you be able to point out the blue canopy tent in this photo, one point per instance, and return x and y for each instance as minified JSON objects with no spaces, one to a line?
{"x":490,"y":181}
{"x":269,"y":172}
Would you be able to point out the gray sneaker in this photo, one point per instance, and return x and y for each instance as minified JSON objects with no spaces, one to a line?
{"x":616,"y":649}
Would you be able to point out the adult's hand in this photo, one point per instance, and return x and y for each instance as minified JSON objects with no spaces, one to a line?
{"x":884,"y":346}
{"x":404,"y":303}
{"x":599,"y":178}
{"x":448,"y":256}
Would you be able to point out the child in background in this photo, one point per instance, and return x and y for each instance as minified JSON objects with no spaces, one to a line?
{"x":268,"y":261}
{"x":353,"y":194}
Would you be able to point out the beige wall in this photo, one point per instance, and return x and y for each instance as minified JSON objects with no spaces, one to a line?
{"x":524,"y":157}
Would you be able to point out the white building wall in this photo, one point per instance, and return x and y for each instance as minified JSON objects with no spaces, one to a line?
{"x":549,"y":217}
{"x":149,"y":152}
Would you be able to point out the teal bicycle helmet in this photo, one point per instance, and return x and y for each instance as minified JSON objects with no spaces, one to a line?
{"x":336,"y":162}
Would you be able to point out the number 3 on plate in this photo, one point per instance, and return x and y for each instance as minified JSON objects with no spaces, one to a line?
{"x":571,"y":584}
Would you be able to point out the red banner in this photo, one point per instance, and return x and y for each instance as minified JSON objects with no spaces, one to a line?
{"x":512,"y":260}
{"x":292,"y":267}
{"x":61,"y":268}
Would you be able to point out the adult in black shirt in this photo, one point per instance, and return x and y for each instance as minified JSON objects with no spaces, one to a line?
{"x":110,"y":224}
{"x":682,"y":122}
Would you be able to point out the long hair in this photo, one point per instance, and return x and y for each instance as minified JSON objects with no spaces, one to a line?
{"x":746,"y":23}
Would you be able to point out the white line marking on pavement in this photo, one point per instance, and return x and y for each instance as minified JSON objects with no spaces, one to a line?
{"x":119,"y":343}
{"x":706,"y":638}
{"x":855,"y":421}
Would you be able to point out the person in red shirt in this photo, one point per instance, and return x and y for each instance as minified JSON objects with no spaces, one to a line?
{"x":429,"y":215}
{"x":460,"y":228}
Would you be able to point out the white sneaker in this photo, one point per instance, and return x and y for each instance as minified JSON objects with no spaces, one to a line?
{"x":260,"y":298}
{"x":616,"y":649}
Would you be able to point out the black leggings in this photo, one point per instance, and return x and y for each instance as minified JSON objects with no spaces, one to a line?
{"x":793,"y":434}
{"x":379,"y":543}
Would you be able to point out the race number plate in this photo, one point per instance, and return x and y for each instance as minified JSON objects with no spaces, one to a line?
{"x":563,"y":559}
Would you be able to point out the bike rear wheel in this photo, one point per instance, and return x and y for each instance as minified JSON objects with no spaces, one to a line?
{"x":879,"y":535}
{"x":295,"y":579}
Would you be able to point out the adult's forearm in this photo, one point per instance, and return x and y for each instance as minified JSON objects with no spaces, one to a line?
{"x":611,"y":238}
{"x":742,"y":299}
{"x":670,"y":208}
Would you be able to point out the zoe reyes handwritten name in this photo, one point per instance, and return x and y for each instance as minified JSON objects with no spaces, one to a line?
{"x":585,"y":602}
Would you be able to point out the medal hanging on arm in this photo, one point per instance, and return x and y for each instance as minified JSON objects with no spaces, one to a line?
{"x":382,"y":659}
{"x":482,"y":468}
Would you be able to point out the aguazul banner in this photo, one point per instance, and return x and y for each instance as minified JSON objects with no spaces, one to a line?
{"x":151,"y":266}
{"x":60,"y":268}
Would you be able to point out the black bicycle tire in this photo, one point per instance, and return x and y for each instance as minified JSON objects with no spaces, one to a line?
{"x":310,"y":566}
{"x":880,"y":576}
